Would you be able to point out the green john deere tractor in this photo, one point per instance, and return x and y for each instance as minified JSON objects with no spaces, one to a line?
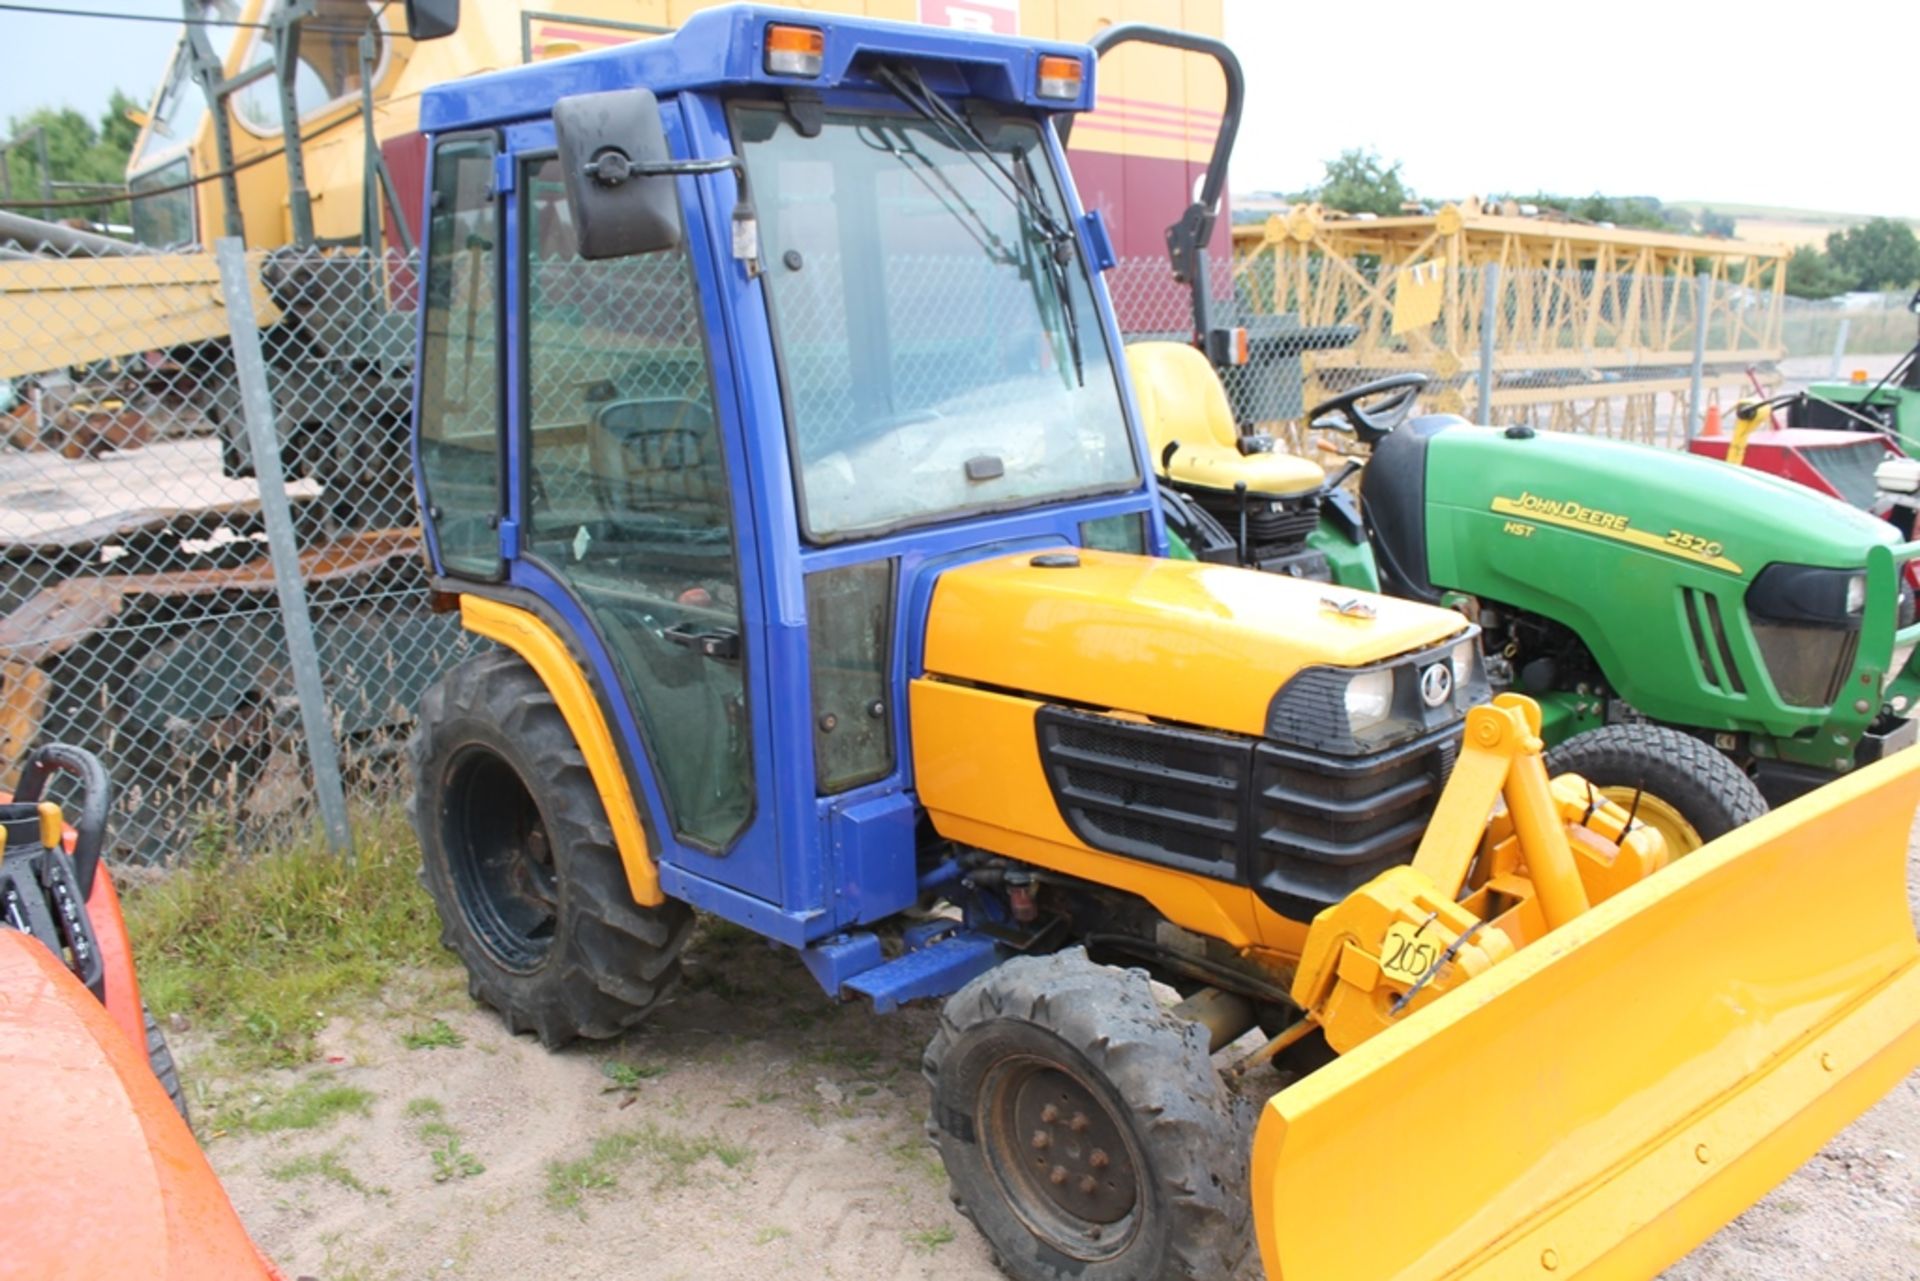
{"x":1701,"y":639}
{"x":1625,"y":588}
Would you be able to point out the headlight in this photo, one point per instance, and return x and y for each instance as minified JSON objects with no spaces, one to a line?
{"x":1857,"y":594}
{"x":1466,"y":662}
{"x":1345,"y":711}
{"x":1369,"y":700}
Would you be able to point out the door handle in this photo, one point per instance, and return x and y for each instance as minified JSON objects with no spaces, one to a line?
{"x":712,"y":642}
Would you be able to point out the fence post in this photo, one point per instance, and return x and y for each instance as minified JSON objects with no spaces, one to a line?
{"x":1840,"y":348}
{"x":250,"y":367}
{"x":1696,"y":397}
{"x":1489,"y":321}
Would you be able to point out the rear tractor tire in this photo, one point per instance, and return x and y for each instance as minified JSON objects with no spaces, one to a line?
{"x":1084,"y":1128}
{"x":160,"y":1059}
{"x":1689,"y":793}
{"x":519,"y":858}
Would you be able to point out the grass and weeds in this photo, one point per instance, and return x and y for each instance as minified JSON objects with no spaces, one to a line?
{"x":626,"y":1077}
{"x":927,"y":1240}
{"x":671,"y":1155}
{"x":450,"y":1160}
{"x":312,"y":1104}
{"x":257,"y":949}
{"x":444,"y":1143}
{"x":919,"y":1157}
{"x":322,"y":1165}
{"x":568,"y":1181}
{"x":437,"y":1035}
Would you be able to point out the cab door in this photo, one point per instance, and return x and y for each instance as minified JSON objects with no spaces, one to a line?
{"x":626,"y":519}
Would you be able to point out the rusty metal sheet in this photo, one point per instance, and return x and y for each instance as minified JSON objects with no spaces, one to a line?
{"x":56,"y":618}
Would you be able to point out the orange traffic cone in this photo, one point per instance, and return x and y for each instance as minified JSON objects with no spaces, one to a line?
{"x":1711,"y":427}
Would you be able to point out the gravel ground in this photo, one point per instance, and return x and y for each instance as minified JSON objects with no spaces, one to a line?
{"x":753,"y":1129}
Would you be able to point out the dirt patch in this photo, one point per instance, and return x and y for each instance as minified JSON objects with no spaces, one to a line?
{"x":752,"y":1129}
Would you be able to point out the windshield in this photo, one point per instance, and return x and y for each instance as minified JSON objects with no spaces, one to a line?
{"x":181,"y":104}
{"x":930,"y":363}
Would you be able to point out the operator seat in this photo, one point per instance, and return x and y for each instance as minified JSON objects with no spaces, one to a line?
{"x":1185,"y":413}
{"x":1393,"y":496}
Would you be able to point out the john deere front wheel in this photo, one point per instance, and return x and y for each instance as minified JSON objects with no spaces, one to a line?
{"x":1686,"y":791}
{"x":518,"y":855}
{"x":1084,"y":1129}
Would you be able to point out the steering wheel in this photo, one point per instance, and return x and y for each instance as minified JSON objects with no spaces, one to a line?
{"x":1371,"y":423}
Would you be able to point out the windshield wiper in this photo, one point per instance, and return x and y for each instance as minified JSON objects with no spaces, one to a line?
{"x":959,"y":133}
{"x":946,"y":194}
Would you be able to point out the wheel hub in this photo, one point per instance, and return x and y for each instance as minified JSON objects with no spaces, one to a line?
{"x":501,"y":860}
{"x":1662,"y":816}
{"x":1065,"y":1152}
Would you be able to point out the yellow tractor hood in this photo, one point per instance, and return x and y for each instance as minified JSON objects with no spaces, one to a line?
{"x":1182,"y":641}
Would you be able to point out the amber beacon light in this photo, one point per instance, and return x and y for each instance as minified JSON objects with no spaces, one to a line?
{"x":1059,"y":77}
{"x":795,"y":51}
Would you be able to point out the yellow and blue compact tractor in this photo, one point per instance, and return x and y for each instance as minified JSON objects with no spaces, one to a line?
{"x":772,"y":420}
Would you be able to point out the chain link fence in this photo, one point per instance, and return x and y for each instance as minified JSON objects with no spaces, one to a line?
{"x":141,"y":616}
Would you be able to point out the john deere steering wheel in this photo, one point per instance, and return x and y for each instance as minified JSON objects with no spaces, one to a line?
{"x":1371,"y":423}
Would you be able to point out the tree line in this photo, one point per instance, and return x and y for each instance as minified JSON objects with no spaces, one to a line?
{"x":81,"y":154}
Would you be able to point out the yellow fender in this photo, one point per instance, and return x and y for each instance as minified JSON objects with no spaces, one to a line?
{"x":553,"y":662}
{"x":1607,"y":1098}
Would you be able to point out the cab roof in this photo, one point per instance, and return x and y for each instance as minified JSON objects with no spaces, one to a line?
{"x":723,"y":49}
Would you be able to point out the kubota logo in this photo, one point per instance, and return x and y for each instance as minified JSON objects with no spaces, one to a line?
{"x":1436,"y":684}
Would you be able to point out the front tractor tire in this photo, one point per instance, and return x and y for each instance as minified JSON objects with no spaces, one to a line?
{"x":519,"y":858}
{"x":1084,"y":1128}
{"x":1689,"y":793}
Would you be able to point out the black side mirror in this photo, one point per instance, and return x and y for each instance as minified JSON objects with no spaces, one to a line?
{"x":432,"y":19}
{"x":620,"y":188}
{"x":1913,"y":305}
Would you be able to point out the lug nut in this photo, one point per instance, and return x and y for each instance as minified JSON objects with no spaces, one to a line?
{"x":1087,"y":1184}
{"x":1042,"y":1140}
{"x":1058,"y":1175}
{"x":1098,"y":1160}
{"x":1079,"y":1123}
{"x":1049,"y":1114}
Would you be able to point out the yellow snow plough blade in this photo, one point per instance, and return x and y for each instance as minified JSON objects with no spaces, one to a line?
{"x":1609,"y":1096}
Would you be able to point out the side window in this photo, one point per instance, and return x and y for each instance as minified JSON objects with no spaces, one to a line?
{"x":629,"y":501}
{"x":460,"y":365}
{"x":848,"y":612}
{"x":1126,"y":533}
{"x":327,"y":72}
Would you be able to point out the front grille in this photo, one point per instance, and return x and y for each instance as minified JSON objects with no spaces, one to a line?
{"x":1302,"y":828}
{"x":1164,"y":795}
{"x":1708,"y":627}
{"x":1325,"y":825}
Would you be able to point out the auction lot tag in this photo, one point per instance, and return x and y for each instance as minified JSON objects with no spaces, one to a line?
{"x":1407,"y":954}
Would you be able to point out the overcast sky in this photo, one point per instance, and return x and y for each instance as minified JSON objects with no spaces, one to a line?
{"x":1795,"y":104}
{"x":1805,"y":105}
{"x":79,"y":62}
